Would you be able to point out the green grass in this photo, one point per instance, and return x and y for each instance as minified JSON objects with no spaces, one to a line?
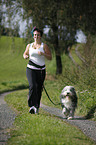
{"x":12,"y":64}
{"x":40,"y":129}
{"x":75,"y":57}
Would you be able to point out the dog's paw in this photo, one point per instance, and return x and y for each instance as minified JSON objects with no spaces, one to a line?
{"x":70,"y":118}
{"x":64,"y":110}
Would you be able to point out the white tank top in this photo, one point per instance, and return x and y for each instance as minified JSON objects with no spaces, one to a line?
{"x":35,"y":58}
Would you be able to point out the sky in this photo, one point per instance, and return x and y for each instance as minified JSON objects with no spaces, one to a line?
{"x":80,"y":36}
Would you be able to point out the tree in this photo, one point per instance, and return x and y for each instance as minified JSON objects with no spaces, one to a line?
{"x":49,"y":13}
{"x":63,"y":17}
{"x":8,"y":31}
{"x":85,"y":13}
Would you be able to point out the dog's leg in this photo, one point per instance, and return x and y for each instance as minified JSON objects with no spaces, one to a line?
{"x":71,"y":114}
{"x":65,"y":112}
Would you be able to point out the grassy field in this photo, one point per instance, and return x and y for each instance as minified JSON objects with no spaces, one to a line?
{"x":43,"y":128}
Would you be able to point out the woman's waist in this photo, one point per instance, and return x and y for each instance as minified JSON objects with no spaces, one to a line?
{"x":37,"y":65}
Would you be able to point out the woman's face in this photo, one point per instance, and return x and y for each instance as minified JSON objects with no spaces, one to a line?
{"x":37,"y":35}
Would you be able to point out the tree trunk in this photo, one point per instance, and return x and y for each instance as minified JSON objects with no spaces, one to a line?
{"x":58,"y":64}
{"x":58,"y":56}
{"x":57,"y":49}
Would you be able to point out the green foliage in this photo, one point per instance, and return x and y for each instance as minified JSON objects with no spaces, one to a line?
{"x":87,"y":103}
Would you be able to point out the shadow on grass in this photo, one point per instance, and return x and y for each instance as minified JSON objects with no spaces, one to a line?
{"x":20,"y":87}
{"x":75,"y":118}
{"x":90,"y":114}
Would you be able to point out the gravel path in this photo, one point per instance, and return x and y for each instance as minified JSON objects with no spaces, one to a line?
{"x":7,"y":117}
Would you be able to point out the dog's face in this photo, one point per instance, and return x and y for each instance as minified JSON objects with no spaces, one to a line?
{"x":68,"y":92}
{"x":68,"y":96}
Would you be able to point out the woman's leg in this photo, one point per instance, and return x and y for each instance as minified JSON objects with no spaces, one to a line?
{"x":31,"y":76}
{"x":40,"y":81}
{"x":35,"y":79}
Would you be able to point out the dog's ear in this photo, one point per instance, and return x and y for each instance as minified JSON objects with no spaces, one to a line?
{"x":75,"y":98}
{"x":73,"y":90}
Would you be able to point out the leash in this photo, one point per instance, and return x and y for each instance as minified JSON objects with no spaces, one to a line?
{"x":49,"y":97}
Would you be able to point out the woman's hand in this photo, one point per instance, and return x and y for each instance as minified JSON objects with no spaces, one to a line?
{"x":40,"y":53}
{"x":25,"y":56}
{"x":26,"y":53}
{"x":47,"y":55}
{"x":47,"y":52}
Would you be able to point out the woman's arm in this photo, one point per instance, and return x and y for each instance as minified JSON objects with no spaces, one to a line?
{"x":47,"y":52}
{"x":26,"y":53}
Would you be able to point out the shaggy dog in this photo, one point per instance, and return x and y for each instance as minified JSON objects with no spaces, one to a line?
{"x":68,"y":100}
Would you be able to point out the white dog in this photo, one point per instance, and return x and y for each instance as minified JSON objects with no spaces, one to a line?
{"x":68,"y":100}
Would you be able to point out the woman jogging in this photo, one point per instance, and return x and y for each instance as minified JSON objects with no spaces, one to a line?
{"x":36,"y":69}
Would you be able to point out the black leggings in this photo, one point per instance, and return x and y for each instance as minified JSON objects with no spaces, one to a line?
{"x":35,"y":79}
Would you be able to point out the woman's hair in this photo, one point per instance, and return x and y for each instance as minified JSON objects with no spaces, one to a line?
{"x":38,"y":30}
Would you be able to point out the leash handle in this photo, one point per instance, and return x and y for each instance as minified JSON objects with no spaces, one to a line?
{"x":49,"y":97}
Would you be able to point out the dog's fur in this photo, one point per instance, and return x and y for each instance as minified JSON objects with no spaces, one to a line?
{"x":68,"y":100}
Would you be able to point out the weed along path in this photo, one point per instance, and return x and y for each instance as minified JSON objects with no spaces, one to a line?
{"x":7,"y":117}
{"x":86,"y":126}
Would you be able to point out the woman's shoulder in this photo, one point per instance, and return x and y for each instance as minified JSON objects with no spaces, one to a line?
{"x":30,"y":44}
